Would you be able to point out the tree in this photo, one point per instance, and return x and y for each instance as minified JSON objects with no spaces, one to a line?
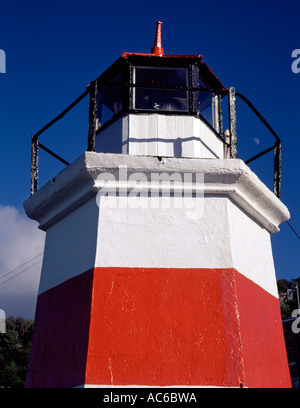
{"x":285,"y":311}
{"x":15,"y":347}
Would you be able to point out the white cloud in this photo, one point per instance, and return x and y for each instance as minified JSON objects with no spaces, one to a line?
{"x":20,"y":241}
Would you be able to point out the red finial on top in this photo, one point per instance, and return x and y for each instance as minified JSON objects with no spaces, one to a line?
{"x":157,"y":49}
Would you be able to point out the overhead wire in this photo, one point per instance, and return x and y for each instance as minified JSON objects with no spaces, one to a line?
{"x":12,"y":277}
{"x":24,"y":270}
{"x":20,"y":266}
{"x":297,"y":235}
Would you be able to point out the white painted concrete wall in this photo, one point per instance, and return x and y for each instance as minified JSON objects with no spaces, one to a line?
{"x":160,"y":135}
{"x":92,"y":236}
{"x":224,"y":237}
{"x":232,"y":230}
{"x":251,"y":249}
{"x":70,"y":246}
{"x":163,"y":237}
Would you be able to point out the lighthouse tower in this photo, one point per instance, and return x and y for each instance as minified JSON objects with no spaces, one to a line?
{"x":158,"y":266}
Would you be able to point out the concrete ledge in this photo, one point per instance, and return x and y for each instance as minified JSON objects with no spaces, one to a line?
{"x":222,"y":177}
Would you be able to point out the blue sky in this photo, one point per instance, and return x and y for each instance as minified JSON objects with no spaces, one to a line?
{"x":54,"y":49}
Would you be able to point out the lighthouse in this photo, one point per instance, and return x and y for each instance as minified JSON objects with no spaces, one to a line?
{"x":158,"y":266}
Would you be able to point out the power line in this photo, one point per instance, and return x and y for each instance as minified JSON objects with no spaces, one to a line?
{"x":2,"y":283}
{"x":20,"y":266}
{"x":297,"y":235}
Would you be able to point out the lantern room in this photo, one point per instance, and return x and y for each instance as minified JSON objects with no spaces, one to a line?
{"x":152,"y":104}
{"x":160,"y":105}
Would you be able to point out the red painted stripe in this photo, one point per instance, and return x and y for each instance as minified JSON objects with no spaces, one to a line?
{"x":160,"y":327}
{"x":60,"y":338}
{"x":163,"y":327}
{"x":264,"y":352}
{"x":184,"y":327}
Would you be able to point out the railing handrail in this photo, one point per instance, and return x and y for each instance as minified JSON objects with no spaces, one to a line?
{"x":263,"y":120}
{"x":35,"y":143}
{"x":61,"y":115}
{"x":276,"y":147}
{"x":92,"y":90}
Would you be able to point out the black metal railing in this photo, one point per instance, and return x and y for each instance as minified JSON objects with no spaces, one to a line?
{"x":36,"y":144}
{"x":92,"y":90}
{"x":276,"y":147}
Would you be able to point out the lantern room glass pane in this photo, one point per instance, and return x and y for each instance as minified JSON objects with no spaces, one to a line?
{"x":161,"y":99}
{"x":205,"y":101}
{"x":109,"y":100}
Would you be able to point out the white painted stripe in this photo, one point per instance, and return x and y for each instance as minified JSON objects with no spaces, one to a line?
{"x":251,"y":250}
{"x":229,"y":228}
{"x":163,"y":237}
{"x":70,"y":246}
{"x":221,"y":237}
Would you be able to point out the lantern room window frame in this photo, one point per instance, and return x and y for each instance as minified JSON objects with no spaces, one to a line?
{"x":200,"y":81}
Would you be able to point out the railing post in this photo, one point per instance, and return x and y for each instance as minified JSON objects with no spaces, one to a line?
{"x":277,"y":169}
{"x":232,"y":122}
{"x":92,"y":117}
{"x":34,"y":164}
{"x":220,"y":115}
{"x":217,"y":114}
